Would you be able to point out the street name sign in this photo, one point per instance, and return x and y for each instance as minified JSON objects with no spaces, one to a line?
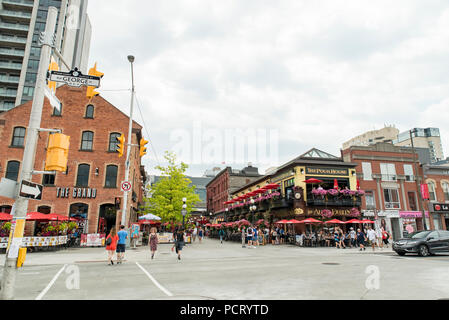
{"x":74,"y":78}
{"x":31,"y":190}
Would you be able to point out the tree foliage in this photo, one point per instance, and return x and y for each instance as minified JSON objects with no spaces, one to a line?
{"x":166,"y":195}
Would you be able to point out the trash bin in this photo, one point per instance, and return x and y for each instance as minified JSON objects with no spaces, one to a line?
{"x":21,"y":258}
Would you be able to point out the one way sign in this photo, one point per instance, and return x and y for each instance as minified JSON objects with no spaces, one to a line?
{"x":31,"y":190}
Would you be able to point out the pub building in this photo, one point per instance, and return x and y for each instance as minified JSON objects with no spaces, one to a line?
{"x":291,"y":192}
{"x":89,"y":190}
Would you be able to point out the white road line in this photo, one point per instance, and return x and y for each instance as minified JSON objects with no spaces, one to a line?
{"x":168,"y":293}
{"x":42,"y":294}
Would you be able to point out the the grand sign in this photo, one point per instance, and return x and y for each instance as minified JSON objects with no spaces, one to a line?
{"x":328,"y":171}
{"x":77,"y":193}
{"x":335,"y":212}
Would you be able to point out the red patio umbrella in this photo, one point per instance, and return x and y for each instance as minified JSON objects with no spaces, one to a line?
{"x":271,"y":186}
{"x":5,"y":217}
{"x":244,"y":222}
{"x":294,"y":221}
{"x":311,"y":220}
{"x":353,"y":221}
{"x":334,"y":221}
{"x":259,"y":191}
{"x":358,"y":184}
{"x":312,"y":181}
{"x":367,"y":222}
{"x":57,"y":217}
{"x":282,"y":222}
{"x":37,"y":216}
{"x":336,"y":184}
{"x":229,"y":202}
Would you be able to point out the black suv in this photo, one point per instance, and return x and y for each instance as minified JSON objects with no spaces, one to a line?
{"x":424,"y":243}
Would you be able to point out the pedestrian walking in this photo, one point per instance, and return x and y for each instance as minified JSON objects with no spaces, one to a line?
{"x":200,"y":234}
{"x":111,"y":245}
{"x":221,"y":233}
{"x":342,"y":238}
{"x":361,"y":238}
{"x":121,"y":244}
{"x":273,"y":236}
{"x":179,"y":242}
{"x":379,"y":241}
{"x":194,"y":233}
{"x":255,"y":238}
{"x":352,"y":236}
{"x":372,"y":237}
{"x":154,"y":241}
{"x":385,"y":237}
{"x":249,"y":236}
{"x":337,"y":239}
{"x":243,"y":237}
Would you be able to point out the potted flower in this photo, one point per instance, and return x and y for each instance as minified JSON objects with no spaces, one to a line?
{"x":360,"y":192}
{"x":355,"y":213}
{"x":333,"y":192}
{"x":326,"y":213}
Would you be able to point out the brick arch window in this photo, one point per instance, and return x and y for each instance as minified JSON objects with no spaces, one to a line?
{"x":445,"y":187}
{"x":111,"y":176}
{"x":56,"y":112}
{"x":82,"y":178}
{"x":87,"y":141}
{"x":90,"y":111}
{"x":12,"y":170}
{"x":18,"y":137}
{"x":113,"y":141}
{"x":432,"y":190}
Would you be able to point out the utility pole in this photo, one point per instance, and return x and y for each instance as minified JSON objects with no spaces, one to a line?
{"x":129,"y":144}
{"x":418,"y":182}
{"x":21,"y":204}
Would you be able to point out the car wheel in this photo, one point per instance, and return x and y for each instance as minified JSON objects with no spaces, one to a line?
{"x":423,"y":251}
{"x":401,"y":253}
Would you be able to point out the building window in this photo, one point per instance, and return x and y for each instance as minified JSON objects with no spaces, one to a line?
{"x":412,"y":201}
{"x":18,"y":139}
{"x":82,"y":179}
{"x":111,"y":176}
{"x":408,"y":172}
{"x":44,"y":209}
{"x":445,"y":186}
{"x":392,"y":199}
{"x":87,"y":141}
{"x":367,"y":171}
{"x":388,"y":172}
{"x":56,"y":112}
{"x":432,"y":192}
{"x":12,"y":170}
{"x":90,"y":112}
{"x":113,"y":141}
{"x":48,"y":180}
{"x":370,"y":200}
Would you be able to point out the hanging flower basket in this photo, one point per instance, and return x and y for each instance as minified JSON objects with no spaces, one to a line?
{"x":355,"y":213}
{"x":319,"y":192}
{"x":327,"y":213}
{"x":333,"y":192}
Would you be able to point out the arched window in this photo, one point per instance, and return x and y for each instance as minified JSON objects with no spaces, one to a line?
{"x":445,"y":186}
{"x":90,"y":111}
{"x":44,"y":209}
{"x":111,"y":176}
{"x":432,"y":191}
{"x":82,"y":179}
{"x":12,"y":170}
{"x":56,"y":112}
{"x":113,"y":141}
{"x":87,"y":141}
{"x":18,"y":138}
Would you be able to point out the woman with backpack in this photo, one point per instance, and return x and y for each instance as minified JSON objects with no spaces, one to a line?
{"x":111,"y":245}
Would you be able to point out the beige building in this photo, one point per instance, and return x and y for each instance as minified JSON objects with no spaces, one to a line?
{"x":387,"y":134}
{"x":423,"y":138}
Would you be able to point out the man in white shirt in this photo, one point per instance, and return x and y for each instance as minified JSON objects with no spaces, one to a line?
{"x":380,"y":243}
{"x":195,"y":232}
{"x":352,"y":235}
{"x":371,"y":234}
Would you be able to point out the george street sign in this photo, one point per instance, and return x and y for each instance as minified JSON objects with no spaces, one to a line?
{"x":31,"y":190}
{"x":74,"y":78}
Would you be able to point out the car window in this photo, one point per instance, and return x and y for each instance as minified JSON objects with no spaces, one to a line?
{"x":419,"y":234}
{"x":444,"y":234}
{"x":434,"y":235}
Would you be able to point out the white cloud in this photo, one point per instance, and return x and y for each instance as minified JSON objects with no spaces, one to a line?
{"x":319,"y":71}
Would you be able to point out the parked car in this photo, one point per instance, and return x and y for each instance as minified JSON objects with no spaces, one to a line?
{"x":424,"y":243}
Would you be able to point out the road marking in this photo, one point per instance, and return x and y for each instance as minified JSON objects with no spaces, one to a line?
{"x":42,"y":294}
{"x":168,"y":293}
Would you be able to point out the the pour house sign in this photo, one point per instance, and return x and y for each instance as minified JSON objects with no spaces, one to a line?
{"x":77,"y":193}
{"x":328,"y":171}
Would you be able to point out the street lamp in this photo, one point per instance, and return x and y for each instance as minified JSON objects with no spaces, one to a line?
{"x":252,"y":209}
{"x":418,"y":180}
{"x":184,"y":211}
{"x":226,"y":214}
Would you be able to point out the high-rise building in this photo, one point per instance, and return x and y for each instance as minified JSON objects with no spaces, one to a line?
{"x":423,"y":138}
{"x":21,"y":23}
{"x":387,"y":134}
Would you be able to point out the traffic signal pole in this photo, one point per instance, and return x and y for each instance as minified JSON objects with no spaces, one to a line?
{"x":21,"y":204}
{"x":129,"y":144}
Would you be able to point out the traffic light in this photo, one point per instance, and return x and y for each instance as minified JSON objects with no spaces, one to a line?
{"x":143,"y":149}
{"x":118,"y":201}
{"x":121,"y":146}
{"x":57,"y":152}
{"x":91,"y":90}
{"x":53,"y":67}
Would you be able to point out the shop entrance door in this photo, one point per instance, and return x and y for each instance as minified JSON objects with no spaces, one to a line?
{"x":396,"y":229}
{"x":108,"y":214}
{"x":447,"y":223}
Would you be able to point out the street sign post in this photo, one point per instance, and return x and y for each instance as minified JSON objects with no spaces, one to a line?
{"x":126,"y":186}
{"x":74,"y":78}
{"x":31,"y":190}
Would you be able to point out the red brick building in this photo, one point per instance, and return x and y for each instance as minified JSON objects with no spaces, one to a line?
{"x":92,"y":184}
{"x":224,"y":184}
{"x":437,"y":178}
{"x":387,"y":174}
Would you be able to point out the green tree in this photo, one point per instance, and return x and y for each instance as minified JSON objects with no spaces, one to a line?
{"x":166,"y":195}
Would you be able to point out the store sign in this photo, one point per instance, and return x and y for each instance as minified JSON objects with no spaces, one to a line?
{"x":77,"y":193}
{"x":441,"y":207}
{"x":328,"y":171}
{"x":335,"y":212}
{"x":425,"y":191}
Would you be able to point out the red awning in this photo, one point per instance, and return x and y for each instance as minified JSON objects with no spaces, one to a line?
{"x":335,"y":221}
{"x":271,"y":186}
{"x":259,"y":191}
{"x":367,"y":222}
{"x":37,"y":216}
{"x":5,"y":217}
{"x":311,"y":181}
{"x":353,"y":221}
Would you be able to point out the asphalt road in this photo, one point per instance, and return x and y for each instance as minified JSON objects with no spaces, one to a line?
{"x":226,"y":272}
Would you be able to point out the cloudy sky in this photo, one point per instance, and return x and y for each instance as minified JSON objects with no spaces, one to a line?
{"x":312,"y":73}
